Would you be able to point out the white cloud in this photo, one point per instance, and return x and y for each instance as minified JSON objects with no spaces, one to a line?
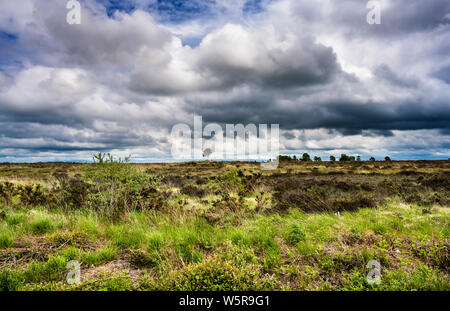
{"x":120,"y":83}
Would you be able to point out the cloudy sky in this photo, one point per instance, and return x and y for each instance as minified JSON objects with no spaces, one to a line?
{"x":132,"y":69}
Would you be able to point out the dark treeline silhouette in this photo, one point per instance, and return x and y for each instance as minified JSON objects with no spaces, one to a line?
{"x":307,"y":158}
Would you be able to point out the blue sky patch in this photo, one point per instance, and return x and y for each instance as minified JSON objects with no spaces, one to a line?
{"x":112,"y":6}
{"x":6,"y":36}
{"x":253,"y":6}
{"x":177,"y":11}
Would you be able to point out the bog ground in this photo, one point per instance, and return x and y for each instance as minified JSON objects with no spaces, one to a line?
{"x":225,"y":226}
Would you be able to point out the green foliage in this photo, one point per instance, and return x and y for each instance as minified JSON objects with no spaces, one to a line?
{"x":346,"y":158}
{"x":41,"y":224}
{"x":117,"y":186}
{"x":219,"y":239}
{"x":213,"y":274}
{"x":436,"y":254}
{"x":230,"y":182}
{"x":7,"y":191}
{"x":379,"y":229}
{"x":13,"y":219}
{"x":422,"y":278}
{"x":34,"y":195}
{"x":286,"y":158}
{"x":125,"y":236}
{"x":71,"y":192}
{"x":306,"y":157}
{"x":6,"y":239}
{"x":10,"y":280}
{"x":52,"y":270}
{"x":28,"y":195}
{"x":98,"y":257}
{"x":144,"y":259}
{"x":115,"y":283}
{"x":295,"y":234}
{"x":193,"y":191}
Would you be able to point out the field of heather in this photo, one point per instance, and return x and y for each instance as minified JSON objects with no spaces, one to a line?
{"x":225,"y":226}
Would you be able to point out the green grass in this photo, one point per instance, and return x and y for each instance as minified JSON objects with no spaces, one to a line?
{"x":195,"y":244}
{"x":289,"y":251}
{"x":6,"y":238}
{"x":41,"y":223}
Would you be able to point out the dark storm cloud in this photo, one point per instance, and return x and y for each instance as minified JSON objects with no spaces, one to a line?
{"x":445,"y":131}
{"x":42,"y":116}
{"x":406,"y":116}
{"x":386,"y":73}
{"x":303,"y":63}
{"x":410,"y":16}
{"x":373,"y":116}
{"x":348,"y":117}
{"x":289,"y":136}
{"x":443,"y":74}
{"x":375,"y":133}
{"x":123,"y":78}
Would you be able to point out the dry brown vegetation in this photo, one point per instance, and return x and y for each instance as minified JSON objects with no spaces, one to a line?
{"x":304,"y":226}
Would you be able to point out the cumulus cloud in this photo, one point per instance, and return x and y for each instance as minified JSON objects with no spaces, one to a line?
{"x":122,"y":78}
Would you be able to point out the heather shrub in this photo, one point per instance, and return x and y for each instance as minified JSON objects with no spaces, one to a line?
{"x":116,"y":186}
{"x":213,"y":274}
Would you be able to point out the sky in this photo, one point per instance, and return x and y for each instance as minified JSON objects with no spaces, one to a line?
{"x":119,"y":81}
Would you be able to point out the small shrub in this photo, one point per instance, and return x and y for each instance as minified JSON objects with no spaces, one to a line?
{"x":143,"y":259}
{"x":230,"y":182}
{"x":436,"y":181}
{"x":125,"y":237}
{"x":13,"y":219}
{"x":52,"y":270}
{"x":118,"y":187}
{"x":73,"y":193}
{"x":435,"y":254}
{"x":34,"y":195}
{"x":7,"y":191}
{"x":10,"y":280}
{"x":213,"y":274}
{"x":100,"y":256}
{"x":107,"y":282}
{"x":193,"y":191}
{"x":41,"y":225}
{"x":354,"y":204}
{"x":6,"y":239}
{"x":379,"y":229}
{"x":295,"y":234}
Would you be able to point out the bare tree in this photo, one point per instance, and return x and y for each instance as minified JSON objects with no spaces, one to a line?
{"x":207,"y":152}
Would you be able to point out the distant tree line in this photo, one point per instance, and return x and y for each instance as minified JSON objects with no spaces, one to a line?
{"x":307,"y":158}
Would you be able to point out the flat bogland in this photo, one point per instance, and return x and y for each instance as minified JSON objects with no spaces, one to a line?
{"x":225,"y":226}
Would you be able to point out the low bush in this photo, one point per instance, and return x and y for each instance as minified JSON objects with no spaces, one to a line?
{"x":41,"y":224}
{"x":295,"y":234}
{"x":193,"y":191}
{"x":116,"y":187}
{"x":10,"y":280}
{"x":6,"y":239}
{"x":213,"y":274}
